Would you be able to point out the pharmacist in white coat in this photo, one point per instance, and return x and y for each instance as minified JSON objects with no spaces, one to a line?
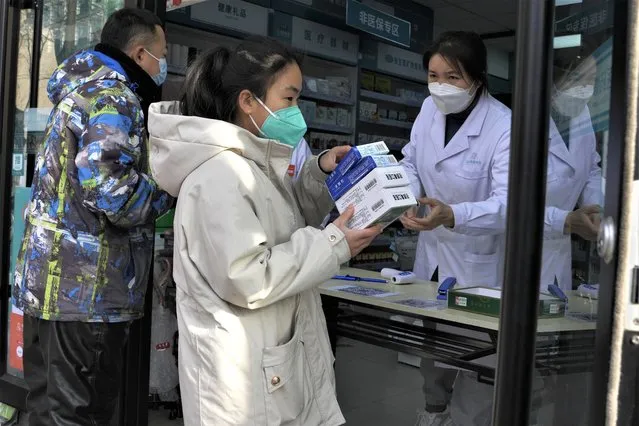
{"x":458,"y":162}
{"x":574,"y":197}
{"x":574,"y":175}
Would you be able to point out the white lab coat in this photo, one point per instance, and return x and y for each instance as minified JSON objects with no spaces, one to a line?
{"x":574,"y":179}
{"x":471,"y":175}
{"x":301,"y":153}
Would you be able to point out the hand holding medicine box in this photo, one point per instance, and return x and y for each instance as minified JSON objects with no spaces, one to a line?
{"x":379,"y":198}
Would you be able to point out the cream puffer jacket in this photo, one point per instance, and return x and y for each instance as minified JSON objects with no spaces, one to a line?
{"x":254,"y":348}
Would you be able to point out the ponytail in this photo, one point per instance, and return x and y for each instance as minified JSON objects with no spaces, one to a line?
{"x":216,"y":78}
{"x":203,"y":90}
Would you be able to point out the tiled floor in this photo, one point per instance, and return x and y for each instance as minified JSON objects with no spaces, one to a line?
{"x":372,"y":387}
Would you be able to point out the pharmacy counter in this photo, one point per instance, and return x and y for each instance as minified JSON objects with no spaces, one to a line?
{"x":369,"y":312}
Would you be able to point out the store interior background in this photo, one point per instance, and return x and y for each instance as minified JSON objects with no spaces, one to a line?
{"x":358,"y":88}
{"x":375,"y":386}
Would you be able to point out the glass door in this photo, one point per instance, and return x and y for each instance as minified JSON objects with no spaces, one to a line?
{"x":38,"y":37}
{"x":566,"y":187}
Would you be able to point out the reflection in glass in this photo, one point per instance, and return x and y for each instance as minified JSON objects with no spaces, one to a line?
{"x":68,"y":26}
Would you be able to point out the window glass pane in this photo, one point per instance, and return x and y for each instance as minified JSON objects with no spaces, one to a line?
{"x":68,"y":26}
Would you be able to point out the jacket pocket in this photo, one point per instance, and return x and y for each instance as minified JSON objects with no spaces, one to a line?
{"x":288,"y":389}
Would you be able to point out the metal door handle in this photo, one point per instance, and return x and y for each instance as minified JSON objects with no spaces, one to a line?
{"x":606,"y":239}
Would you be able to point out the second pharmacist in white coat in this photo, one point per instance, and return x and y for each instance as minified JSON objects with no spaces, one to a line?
{"x":574,"y":193}
{"x":457,"y":160}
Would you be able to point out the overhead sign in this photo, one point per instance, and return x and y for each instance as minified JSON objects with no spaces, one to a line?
{"x":393,"y":60}
{"x":587,"y":21}
{"x":378,"y":23}
{"x":233,"y":14}
{"x":316,"y":39}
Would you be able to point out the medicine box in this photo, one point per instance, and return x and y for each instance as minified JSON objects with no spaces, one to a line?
{"x":367,"y":164}
{"x":368,"y":81}
{"x":487,"y":301}
{"x":331,"y":116}
{"x":355,"y":155}
{"x":374,"y":204}
{"x":343,"y":118}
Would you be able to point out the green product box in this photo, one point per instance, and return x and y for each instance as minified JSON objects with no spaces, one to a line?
{"x":165,"y":221}
{"x":487,"y":301}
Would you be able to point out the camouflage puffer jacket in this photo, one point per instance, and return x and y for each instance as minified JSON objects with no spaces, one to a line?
{"x":88,"y":241}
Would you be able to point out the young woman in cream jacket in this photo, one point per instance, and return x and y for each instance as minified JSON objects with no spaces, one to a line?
{"x":254,"y":348}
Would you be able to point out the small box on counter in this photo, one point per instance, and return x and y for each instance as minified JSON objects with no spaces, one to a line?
{"x":355,"y":155}
{"x":377,"y":205}
{"x":366,"y":165}
{"x":487,"y":301}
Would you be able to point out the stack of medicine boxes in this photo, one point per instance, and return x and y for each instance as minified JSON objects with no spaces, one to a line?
{"x":374,"y":183}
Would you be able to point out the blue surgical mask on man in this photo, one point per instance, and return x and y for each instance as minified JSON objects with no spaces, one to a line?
{"x":159,"y":78}
{"x":286,"y":125}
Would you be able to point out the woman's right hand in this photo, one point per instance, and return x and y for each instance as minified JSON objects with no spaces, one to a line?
{"x":357,"y":239}
{"x":584,"y":222}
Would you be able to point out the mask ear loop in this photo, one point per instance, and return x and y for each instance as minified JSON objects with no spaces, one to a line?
{"x":253,"y":120}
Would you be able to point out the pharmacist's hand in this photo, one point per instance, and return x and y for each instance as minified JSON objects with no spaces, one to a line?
{"x":440,"y":214}
{"x":329,"y":160}
{"x":584,"y":222}
{"x":357,"y":240}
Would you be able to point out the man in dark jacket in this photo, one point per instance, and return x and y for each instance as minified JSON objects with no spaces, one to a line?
{"x":84,"y":263}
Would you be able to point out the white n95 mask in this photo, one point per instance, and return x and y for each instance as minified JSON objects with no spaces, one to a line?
{"x":571,"y":102}
{"x":450,"y":99}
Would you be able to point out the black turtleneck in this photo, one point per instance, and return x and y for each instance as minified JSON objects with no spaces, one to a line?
{"x":138,"y":80}
{"x":455,"y":121}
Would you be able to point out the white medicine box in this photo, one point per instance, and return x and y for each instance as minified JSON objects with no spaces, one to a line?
{"x":379,"y":198}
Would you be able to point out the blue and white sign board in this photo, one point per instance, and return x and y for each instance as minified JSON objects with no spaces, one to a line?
{"x":236,"y":15}
{"x":393,"y":60}
{"x":378,"y":23}
{"x":316,"y":39}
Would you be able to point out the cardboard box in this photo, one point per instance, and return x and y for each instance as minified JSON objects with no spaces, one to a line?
{"x":366,"y":165}
{"x":343,"y":118}
{"x":321,"y":115}
{"x":353,"y":157}
{"x":331,"y":116}
{"x":383,"y":85}
{"x":368,"y":81}
{"x":375,"y":204}
{"x":367,"y":110}
{"x":487,"y":301}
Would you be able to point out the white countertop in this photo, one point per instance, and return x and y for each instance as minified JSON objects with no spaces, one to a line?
{"x":428,"y":290}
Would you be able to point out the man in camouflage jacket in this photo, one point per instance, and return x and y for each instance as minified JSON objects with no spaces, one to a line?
{"x":83,"y":267}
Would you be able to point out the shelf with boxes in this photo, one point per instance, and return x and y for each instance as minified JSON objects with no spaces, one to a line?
{"x":328,"y":102}
{"x":388,"y":106}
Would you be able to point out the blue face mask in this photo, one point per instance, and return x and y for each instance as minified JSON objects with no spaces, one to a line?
{"x":160,"y":78}
{"x":286,"y":125}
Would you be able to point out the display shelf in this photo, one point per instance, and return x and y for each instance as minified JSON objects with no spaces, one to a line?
{"x":327,"y":98}
{"x":331,"y":128}
{"x":389,"y":98}
{"x":388,"y":123}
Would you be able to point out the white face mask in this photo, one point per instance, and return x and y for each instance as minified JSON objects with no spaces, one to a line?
{"x":450,"y":99}
{"x":571,"y":102}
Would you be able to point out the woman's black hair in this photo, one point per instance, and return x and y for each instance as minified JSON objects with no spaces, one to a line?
{"x":462,"y":50}
{"x":216,"y":78}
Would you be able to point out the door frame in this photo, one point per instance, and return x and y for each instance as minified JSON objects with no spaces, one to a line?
{"x":518,"y":320}
{"x":13,"y":391}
